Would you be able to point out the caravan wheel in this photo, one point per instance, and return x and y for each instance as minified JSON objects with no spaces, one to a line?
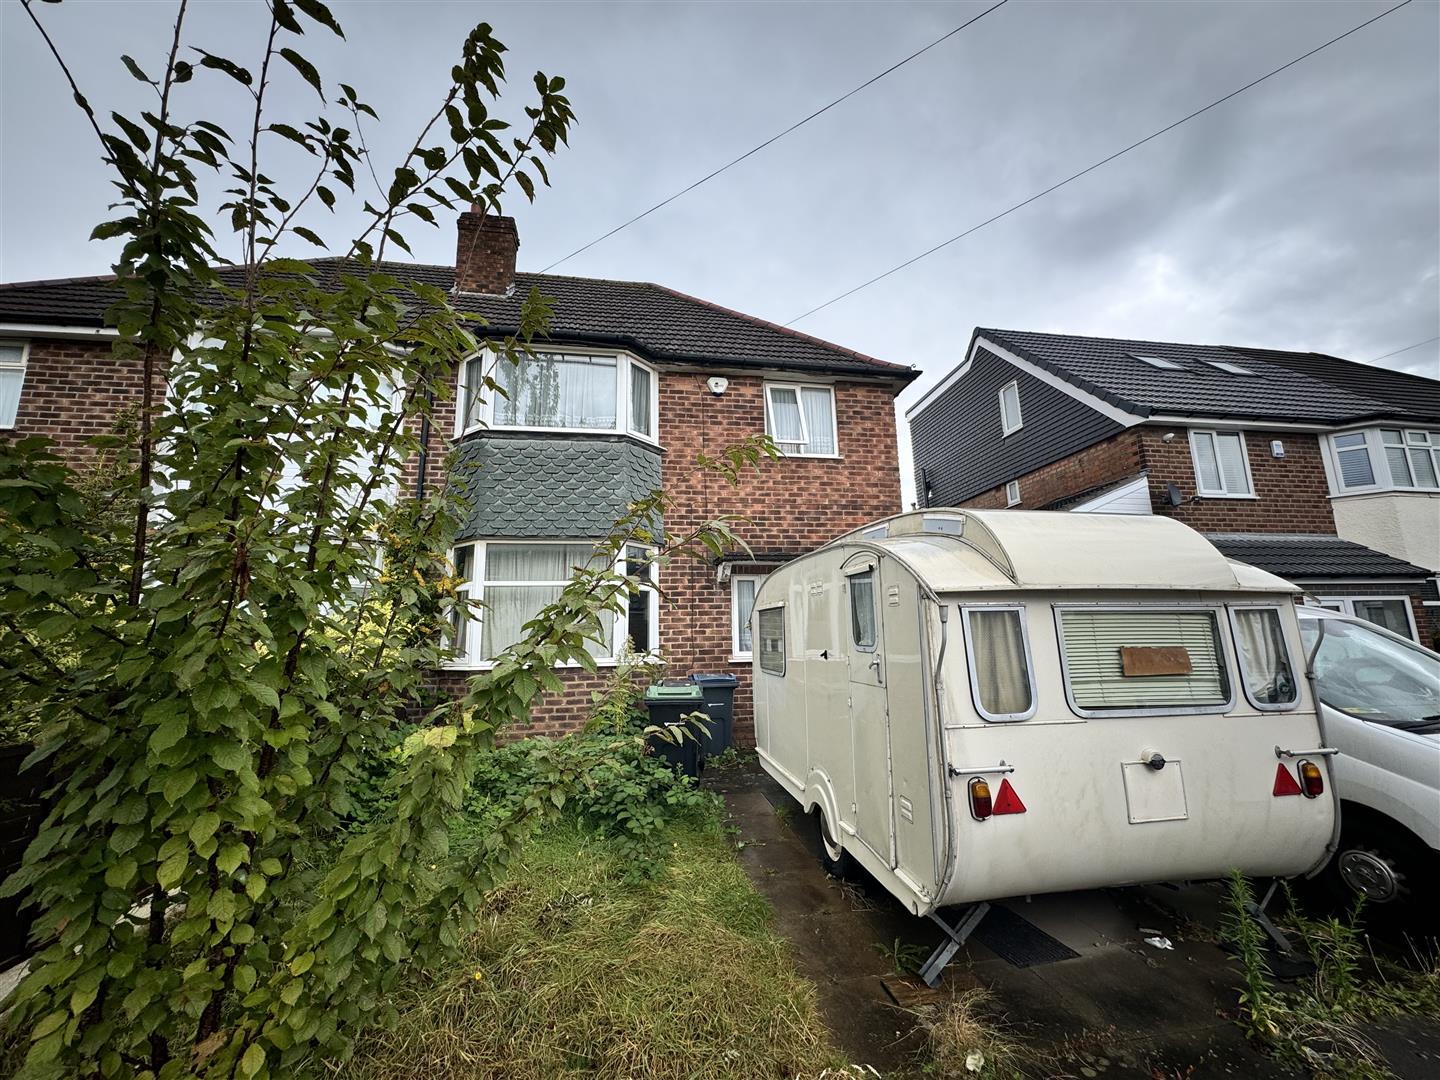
{"x":833,"y":856}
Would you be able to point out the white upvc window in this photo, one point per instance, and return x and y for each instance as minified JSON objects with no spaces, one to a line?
{"x":1392,"y":612}
{"x":1222,"y":466}
{"x":1386,"y":459}
{"x":1012,"y":493}
{"x":800,"y":419}
{"x":13,"y":355}
{"x":558,"y":391}
{"x":1010,"y":419}
{"x":743,"y":588}
{"x":502,"y":584}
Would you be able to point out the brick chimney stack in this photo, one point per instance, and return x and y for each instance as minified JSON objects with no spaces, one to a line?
{"x":485,"y":250}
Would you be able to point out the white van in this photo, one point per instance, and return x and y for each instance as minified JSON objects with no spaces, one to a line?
{"x":1380,"y":700}
{"x":982,"y":704}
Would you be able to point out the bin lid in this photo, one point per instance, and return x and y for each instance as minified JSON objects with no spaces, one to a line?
{"x":713,"y":678}
{"x":684,"y":692}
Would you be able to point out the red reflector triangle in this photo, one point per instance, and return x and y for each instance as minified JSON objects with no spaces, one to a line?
{"x":1285,"y":783}
{"x":1007,"y":802}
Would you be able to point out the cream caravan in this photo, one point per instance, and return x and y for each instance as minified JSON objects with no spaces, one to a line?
{"x":981,"y":704}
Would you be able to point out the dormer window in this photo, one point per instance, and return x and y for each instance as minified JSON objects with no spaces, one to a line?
{"x":558,"y":391}
{"x":1010,"y":418}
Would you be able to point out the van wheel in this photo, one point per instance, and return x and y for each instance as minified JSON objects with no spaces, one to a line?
{"x":833,"y":856}
{"x":1382,"y":866}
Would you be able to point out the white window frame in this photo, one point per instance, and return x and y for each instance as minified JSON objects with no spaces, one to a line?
{"x":999,"y":718}
{"x":624,"y":422}
{"x":1380,"y":464}
{"x":1007,"y":428}
{"x":771,"y":387}
{"x":1012,"y":493}
{"x":1159,"y":710}
{"x":1297,"y":671}
{"x":736,"y":652}
{"x":22,"y":366}
{"x":1211,"y":493}
{"x":1346,"y":605}
{"x":474,"y":590}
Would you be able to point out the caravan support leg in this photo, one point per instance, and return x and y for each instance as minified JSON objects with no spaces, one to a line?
{"x":1257,"y":912}
{"x":956,"y":937}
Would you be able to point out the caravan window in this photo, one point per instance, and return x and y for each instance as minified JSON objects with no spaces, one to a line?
{"x":862,"y":609}
{"x":770,"y":628}
{"x":1142,"y":660}
{"x":1265,"y":667}
{"x":997,"y":651}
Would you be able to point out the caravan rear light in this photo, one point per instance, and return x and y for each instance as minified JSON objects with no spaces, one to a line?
{"x":980,"y":807}
{"x":1312,"y":779}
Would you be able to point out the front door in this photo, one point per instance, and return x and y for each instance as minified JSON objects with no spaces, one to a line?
{"x":869,"y":712}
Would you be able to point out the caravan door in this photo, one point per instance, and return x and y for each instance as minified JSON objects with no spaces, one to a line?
{"x":869,"y":709}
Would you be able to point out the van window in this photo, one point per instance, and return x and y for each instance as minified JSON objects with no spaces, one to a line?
{"x":1374,"y":677}
{"x":998,"y":655}
{"x":862,"y":609}
{"x":770,"y":628}
{"x":1143,"y":660}
{"x":1265,"y":667}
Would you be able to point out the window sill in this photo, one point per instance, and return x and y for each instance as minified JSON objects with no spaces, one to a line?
{"x":813,"y":457}
{"x":1223,"y":495}
{"x":737,"y":658}
{"x":488,"y":429}
{"x":1430,"y":492}
{"x":489,"y":665}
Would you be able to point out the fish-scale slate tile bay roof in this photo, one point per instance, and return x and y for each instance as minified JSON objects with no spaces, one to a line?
{"x":660,"y":323}
{"x":1307,"y":558}
{"x":1258,"y":383}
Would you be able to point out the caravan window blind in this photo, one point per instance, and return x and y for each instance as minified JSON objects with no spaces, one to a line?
{"x":1092,"y":641}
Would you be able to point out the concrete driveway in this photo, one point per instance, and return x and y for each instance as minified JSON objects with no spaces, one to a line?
{"x":1119,"y":1008}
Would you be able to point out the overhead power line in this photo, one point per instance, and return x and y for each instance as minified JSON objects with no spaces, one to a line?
{"x":1103,"y":161}
{"x":1407,"y":348}
{"x":776,"y":138}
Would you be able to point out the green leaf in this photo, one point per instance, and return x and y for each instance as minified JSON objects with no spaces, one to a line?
{"x":229,"y":67}
{"x":321,"y":14}
{"x":134,"y":70}
{"x":178,"y":785}
{"x":172,"y":870}
{"x":204,"y":826}
{"x":230,"y":857}
{"x":170,"y":732}
{"x":254,"y":1058}
{"x":305,"y":68}
{"x":229,"y":755}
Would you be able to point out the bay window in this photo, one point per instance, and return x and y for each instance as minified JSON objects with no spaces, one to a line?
{"x":801,"y":419}
{"x":502,"y":585}
{"x":558,"y":391}
{"x":1222,"y":468}
{"x":1381,"y":459}
{"x":12,"y":380}
{"x":1391,"y":612}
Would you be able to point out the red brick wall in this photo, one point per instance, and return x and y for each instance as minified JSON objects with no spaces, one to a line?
{"x":1292,"y":495}
{"x":1113,"y":459}
{"x":74,"y":391}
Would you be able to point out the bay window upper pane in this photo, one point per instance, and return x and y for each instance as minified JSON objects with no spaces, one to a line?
{"x":1422,"y":467}
{"x":549,"y":563}
{"x":640,"y":419}
{"x":1398,"y":464}
{"x":1353,"y":456}
{"x":556,"y":390}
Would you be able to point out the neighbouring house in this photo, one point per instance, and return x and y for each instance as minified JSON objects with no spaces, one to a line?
{"x":634,"y":381}
{"x":1321,"y":470}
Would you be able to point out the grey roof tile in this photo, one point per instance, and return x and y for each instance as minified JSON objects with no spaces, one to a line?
{"x":1275,"y":390}
{"x":1306,"y":557}
{"x":661,"y":323}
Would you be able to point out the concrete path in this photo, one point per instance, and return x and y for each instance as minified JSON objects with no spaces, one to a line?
{"x":1121,"y":1009}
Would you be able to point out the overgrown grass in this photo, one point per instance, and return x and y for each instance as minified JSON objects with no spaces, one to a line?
{"x":581,"y":968}
{"x":966,"y":1037}
{"x":1321,"y":1025}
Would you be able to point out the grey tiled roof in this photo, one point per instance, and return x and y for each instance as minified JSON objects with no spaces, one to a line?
{"x":1413,"y":395}
{"x":1295,"y":391}
{"x":1306,"y":558}
{"x":661,"y":323}
{"x":536,"y":488}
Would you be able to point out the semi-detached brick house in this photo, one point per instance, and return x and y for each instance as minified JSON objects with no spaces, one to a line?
{"x":1318,"y":469}
{"x":634,"y":382}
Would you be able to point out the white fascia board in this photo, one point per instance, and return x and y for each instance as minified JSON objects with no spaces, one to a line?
{"x":1100,"y":405}
{"x":1226,"y":423}
{"x":47,"y":330}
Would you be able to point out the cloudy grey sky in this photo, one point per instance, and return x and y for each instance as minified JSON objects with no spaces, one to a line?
{"x":1302,"y":214}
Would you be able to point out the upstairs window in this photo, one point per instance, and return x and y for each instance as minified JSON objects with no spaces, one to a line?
{"x":801,"y":419}
{"x":1402,"y":459}
{"x":12,"y":380}
{"x":558,"y":392}
{"x":1010,"y":418}
{"x":1222,"y":467}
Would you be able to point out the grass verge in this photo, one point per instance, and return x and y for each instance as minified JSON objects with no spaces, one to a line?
{"x":581,"y":969}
